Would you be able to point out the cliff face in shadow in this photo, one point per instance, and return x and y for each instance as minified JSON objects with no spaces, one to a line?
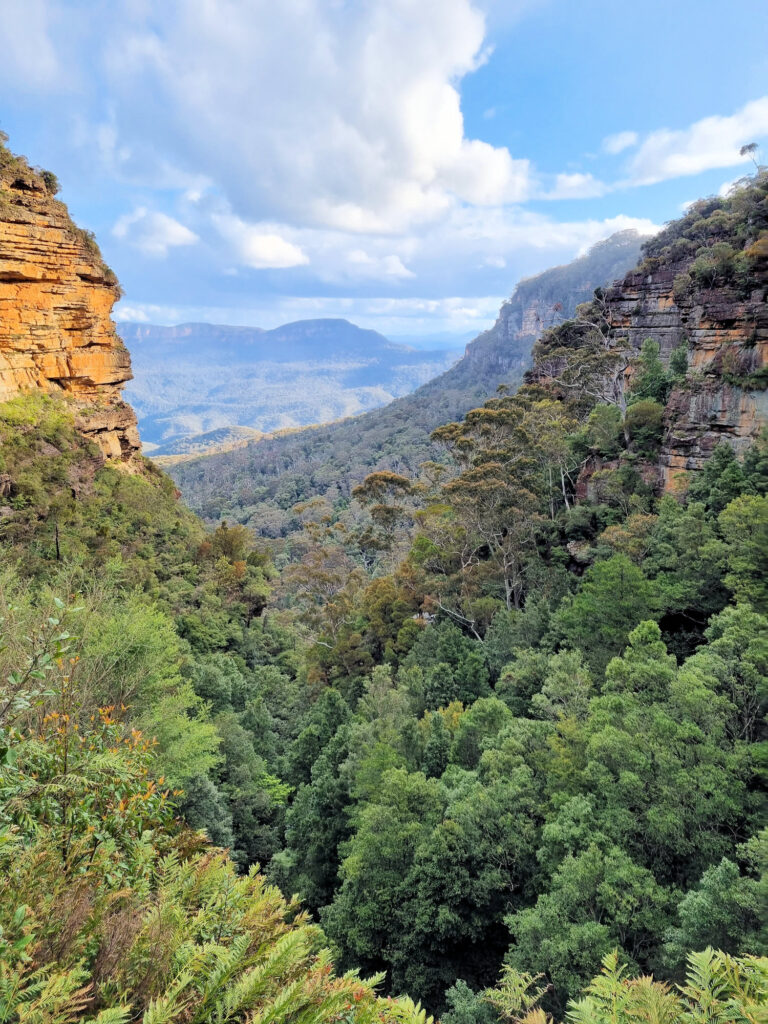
{"x":537,"y":304}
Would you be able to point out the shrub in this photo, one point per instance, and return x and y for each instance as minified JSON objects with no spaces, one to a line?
{"x":682,"y":287}
{"x":50,"y":181}
{"x":110,"y":911}
{"x":645,"y":426}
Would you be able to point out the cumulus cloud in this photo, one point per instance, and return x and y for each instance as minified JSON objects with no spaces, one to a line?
{"x":707,"y":144}
{"x":338,"y":115}
{"x":620,"y":141}
{"x":391,"y":266}
{"x":152,"y":232}
{"x":258,"y":245}
{"x":471,"y":245}
{"x":327,"y":135}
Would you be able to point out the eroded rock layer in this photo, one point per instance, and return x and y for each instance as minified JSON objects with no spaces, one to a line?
{"x":726,"y":335}
{"x":56,"y":297}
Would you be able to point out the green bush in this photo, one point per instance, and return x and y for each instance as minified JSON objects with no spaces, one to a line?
{"x":644,"y":423}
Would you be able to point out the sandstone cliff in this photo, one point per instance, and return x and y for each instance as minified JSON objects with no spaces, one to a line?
{"x":56,"y":296}
{"x":700,"y":288}
{"x":536,"y":304}
{"x":726,"y":335}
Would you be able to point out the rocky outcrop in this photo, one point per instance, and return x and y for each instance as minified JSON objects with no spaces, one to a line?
{"x":536,"y":304}
{"x":725,"y":331}
{"x":56,"y":296}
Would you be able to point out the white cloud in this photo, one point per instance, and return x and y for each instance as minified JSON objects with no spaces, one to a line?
{"x":468,"y":245}
{"x":339,"y":115}
{"x":481,"y":236}
{"x":386,"y":267}
{"x":620,"y":141}
{"x":487,"y":176}
{"x":726,"y":187}
{"x":258,"y":245}
{"x":576,"y":186}
{"x":152,"y":232}
{"x":29,"y":58}
{"x":132,"y":314}
{"x":325,"y":134}
{"x":707,"y":144}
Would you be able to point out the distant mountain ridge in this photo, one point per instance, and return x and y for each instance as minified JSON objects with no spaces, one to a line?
{"x":192,"y":379}
{"x":300,"y":339}
{"x":260,"y":482}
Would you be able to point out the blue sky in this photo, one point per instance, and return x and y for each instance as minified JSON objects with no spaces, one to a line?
{"x":398,"y":162}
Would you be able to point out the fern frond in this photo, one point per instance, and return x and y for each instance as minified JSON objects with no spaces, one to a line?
{"x":653,"y":1002}
{"x":405,"y":1011}
{"x":288,"y":952}
{"x":113,"y":1015}
{"x":53,"y":999}
{"x":170,"y":1005}
{"x":583,"y":1011}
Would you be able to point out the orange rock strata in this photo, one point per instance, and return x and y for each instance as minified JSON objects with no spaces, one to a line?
{"x":56,"y":296}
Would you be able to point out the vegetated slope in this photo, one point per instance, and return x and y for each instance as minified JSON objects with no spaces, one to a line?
{"x":221,"y":440}
{"x":259,"y":484}
{"x":700,"y":291}
{"x":111,"y":909}
{"x":551,"y":741}
{"x":195,"y":378}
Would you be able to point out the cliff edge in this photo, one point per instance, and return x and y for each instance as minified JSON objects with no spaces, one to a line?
{"x":56,"y":297}
{"x":701,"y":290}
{"x":703,"y":285}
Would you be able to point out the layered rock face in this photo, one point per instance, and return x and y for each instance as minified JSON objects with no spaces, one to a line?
{"x":726,"y":335}
{"x":56,"y":296}
{"x":539,"y":303}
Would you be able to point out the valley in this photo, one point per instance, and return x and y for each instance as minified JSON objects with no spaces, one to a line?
{"x":261,"y":483}
{"x":481,"y":675}
{"x":192,"y":379}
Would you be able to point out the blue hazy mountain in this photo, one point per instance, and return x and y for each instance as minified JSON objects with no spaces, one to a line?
{"x":195,"y":378}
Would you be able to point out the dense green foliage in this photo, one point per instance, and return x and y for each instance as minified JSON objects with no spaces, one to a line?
{"x":110,"y":910}
{"x":717,"y":987}
{"x":508,"y":714}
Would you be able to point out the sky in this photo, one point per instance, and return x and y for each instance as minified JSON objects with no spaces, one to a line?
{"x":400,"y":163}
